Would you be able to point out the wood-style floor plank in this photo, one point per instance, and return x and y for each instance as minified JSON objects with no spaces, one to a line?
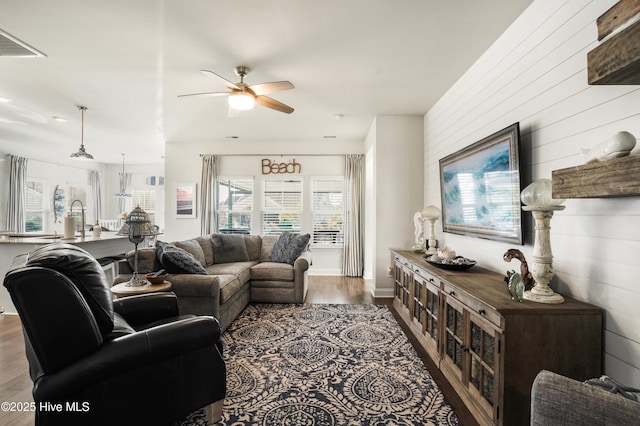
{"x":15,"y":384}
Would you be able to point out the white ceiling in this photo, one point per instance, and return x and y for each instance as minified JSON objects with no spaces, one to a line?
{"x":127,"y":60}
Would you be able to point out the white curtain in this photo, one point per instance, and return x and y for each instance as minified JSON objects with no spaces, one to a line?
{"x":17,"y":194}
{"x":208,"y":194}
{"x":96,"y":192}
{"x":353,"y":250}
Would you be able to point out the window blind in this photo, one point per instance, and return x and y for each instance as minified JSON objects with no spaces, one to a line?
{"x":328,"y":211}
{"x":281,"y":206}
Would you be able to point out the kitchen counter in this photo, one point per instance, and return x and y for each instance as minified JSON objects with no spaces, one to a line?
{"x":12,"y":238}
{"x":12,"y":245}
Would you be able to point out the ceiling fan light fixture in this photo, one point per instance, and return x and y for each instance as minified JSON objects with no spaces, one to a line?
{"x":241,"y":100}
{"x":82,"y":154}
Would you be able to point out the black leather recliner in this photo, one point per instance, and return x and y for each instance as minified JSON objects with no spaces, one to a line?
{"x":95,"y":361}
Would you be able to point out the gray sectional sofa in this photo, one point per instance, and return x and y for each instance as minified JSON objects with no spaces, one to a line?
{"x":223,"y":273}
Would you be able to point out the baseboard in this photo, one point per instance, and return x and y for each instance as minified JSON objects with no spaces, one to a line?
{"x":383,"y":293}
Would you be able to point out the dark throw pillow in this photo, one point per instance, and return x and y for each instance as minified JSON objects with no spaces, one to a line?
{"x":229,"y":248}
{"x":176,"y":260}
{"x":288,"y":247}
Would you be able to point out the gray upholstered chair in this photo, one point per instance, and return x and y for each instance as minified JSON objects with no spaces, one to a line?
{"x":557,"y":400}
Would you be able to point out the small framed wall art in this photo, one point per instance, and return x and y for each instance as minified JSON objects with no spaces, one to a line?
{"x":185,"y":200}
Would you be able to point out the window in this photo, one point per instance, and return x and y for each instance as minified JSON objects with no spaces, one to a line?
{"x":146,"y":199}
{"x":327,"y":198}
{"x":281,"y":206}
{"x":34,"y":214}
{"x":235,"y":205}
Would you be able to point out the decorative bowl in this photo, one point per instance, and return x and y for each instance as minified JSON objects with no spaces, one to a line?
{"x":458,"y":263}
{"x":156,"y":280}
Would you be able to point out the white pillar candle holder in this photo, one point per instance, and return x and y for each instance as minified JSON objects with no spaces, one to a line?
{"x":538,"y":200}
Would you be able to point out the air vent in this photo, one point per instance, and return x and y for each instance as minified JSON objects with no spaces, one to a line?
{"x":11,"y":46}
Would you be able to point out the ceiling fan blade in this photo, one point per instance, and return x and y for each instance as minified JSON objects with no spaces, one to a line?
{"x":272,"y":87}
{"x":205,"y":94}
{"x":273,"y":104}
{"x":223,"y":80}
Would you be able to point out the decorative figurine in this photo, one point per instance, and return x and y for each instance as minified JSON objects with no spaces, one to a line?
{"x":620,"y":145}
{"x":515,"y":284}
{"x":418,"y":224}
{"x":526,"y":276}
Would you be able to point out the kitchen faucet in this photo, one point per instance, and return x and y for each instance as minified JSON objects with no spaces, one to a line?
{"x":82,"y":215}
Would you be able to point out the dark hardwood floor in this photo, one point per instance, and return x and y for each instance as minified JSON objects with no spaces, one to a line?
{"x":15,"y":384}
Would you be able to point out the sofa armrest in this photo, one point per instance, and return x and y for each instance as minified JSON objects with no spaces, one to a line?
{"x":559,"y":400}
{"x":303,"y":261}
{"x":300,"y":276}
{"x":197,"y":294}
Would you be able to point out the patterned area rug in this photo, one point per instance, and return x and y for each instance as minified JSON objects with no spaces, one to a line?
{"x":315,"y":364}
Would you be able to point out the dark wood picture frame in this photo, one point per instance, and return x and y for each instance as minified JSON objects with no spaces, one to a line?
{"x":480,"y":188}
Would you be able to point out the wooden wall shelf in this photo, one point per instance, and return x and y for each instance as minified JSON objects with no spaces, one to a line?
{"x":616,"y":60}
{"x":618,"y":177}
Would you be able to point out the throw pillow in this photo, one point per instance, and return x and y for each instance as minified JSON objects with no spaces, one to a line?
{"x":176,"y":260}
{"x":229,"y":248}
{"x":288,"y":247}
{"x":193,"y":247}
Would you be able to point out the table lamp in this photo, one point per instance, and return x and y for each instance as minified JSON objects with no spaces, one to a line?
{"x":538,"y":200}
{"x":431,"y":213}
{"x":137,"y":227}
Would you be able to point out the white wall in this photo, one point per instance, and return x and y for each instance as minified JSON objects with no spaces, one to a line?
{"x":536,"y":74}
{"x":394,"y":144}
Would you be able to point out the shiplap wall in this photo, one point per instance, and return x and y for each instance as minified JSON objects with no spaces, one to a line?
{"x":536,"y":74}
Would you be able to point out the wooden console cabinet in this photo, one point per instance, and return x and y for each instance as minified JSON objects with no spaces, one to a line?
{"x":489,"y":347}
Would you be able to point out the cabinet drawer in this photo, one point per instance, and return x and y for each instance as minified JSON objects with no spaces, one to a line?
{"x":473,"y":304}
{"x":433,"y":284}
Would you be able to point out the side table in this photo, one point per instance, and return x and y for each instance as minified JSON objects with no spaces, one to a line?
{"x":121,"y":290}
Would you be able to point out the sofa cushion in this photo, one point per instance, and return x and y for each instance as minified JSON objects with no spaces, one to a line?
{"x":288,"y":247}
{"x":272,"y":271}
{"x":229,"y":248}
{"x":147,"y":260}
{"x":253,"y":244}
{"x":193,"y":247}
{"x":207,"y":249}
{"x":229,"y":285}
{"x":240,"y":269}
{"x":268,"y":241}
{"x":177,"y":261}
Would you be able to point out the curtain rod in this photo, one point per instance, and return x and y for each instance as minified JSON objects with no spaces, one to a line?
{"x":276,"y":155}
{"x":55,"y":164}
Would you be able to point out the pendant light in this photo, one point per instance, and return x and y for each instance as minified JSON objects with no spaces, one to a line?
{"x":123,"y":184}
{"x":82,"y":154}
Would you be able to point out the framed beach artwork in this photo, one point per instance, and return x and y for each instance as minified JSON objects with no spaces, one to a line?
{"x":185,"y":206}
{"x":480,"y":188}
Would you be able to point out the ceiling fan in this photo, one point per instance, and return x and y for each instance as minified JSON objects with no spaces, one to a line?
{"x":242,"y":96}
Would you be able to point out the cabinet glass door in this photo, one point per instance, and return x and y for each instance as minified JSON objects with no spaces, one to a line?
{"x":418,"y":295}
{"x":432,"y":308}
{"x":407,"y":280}
{"x":397,"y":277}
{"x":484,"y":357}
{"x":455,"y":334}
